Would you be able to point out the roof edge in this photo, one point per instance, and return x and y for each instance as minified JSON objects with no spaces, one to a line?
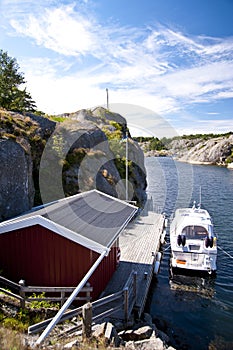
{"x":12,"y":225}
{"x":115,"y":198}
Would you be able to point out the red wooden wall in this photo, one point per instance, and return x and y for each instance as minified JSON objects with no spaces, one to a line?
{"x":44,"y":258}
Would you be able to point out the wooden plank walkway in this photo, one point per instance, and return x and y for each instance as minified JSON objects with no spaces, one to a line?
{"x":139,"y":244}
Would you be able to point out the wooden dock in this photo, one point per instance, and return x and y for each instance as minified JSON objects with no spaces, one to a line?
{"x":127,"y":291}
{"x":139,"y":244}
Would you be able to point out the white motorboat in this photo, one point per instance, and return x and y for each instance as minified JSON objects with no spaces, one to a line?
{"x":193,"y":243}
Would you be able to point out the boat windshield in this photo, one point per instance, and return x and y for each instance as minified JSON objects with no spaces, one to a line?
{"x":194,"y":232}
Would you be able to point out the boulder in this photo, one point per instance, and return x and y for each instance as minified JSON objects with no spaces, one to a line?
{"x":49,"y":160}
{"x":150,"y":344}
{"x":144,"y":332}
{"x":16,"y":185}
{"x":108,"y":333}
{"x":107,"y":115}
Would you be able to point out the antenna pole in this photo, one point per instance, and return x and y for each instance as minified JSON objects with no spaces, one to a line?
{"x":200,"y":198}
{"x":126,"y":167}
{"x":107,"y":99}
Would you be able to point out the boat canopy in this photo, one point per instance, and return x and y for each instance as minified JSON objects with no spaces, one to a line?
{"x":194,"y":232}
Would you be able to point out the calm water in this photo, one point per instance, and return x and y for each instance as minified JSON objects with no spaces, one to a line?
{"x":194,"y":311}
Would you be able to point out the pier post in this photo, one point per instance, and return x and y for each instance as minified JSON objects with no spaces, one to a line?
{"x":126,"y":303}
{"x":88,"y":293}
{"x":63,"y":295}
{"x":87,"y":320}
{"x":22,"y":293}
{"x":135,"y":285}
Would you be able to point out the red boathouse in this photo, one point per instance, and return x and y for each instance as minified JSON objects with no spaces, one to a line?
{"x":57,"y":244}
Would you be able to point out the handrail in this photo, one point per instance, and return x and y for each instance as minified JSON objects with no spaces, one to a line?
{"x":128,"y":292}
{"x":107,"y":299}
{"x":35,"y":328}
{"x":11,"y":294}
{"x":77,"y":311}
{"x":34,"y":289}
{"x":9,"y":283}
{"x":22,"y":289}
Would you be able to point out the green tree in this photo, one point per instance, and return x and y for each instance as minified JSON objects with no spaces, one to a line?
{"x":11,"y":96}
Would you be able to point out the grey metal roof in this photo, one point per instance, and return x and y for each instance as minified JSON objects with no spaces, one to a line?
{"x":93,"y":216}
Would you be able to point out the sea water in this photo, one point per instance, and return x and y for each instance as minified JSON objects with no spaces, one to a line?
{"x":195,"y":311}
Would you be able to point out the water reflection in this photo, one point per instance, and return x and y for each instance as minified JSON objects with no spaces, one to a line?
{"x":189,"y":281}
{"x":195,"y":311}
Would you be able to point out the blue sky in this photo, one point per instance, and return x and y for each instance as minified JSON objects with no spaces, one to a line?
{"x":171,"y":58}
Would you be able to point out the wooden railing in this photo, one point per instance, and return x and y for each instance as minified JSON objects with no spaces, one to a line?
{"x":122,"y":301}
{"x":151,"y":206}
{"x":79,"y":311}
{"x":25,"y":292}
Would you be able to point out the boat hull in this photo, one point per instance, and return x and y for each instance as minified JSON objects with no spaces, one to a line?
{"x":194,"y":261}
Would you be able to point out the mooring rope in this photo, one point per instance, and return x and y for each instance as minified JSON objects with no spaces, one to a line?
{"x":230,"y":256}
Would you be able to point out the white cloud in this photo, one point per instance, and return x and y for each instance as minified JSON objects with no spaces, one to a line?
{"x":206,"y":126}
{"x":158,"y":67}
{"x":60,"y":29}
{"x":196,"y":83}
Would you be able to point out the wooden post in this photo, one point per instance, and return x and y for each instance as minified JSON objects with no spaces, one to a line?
{"x":87,"y":320}
{"x":63,"y":298}
{"x":126,"y":303}
{"x":88,"y":293}
{"x":135,"y":285}
{"x":22,"y":293}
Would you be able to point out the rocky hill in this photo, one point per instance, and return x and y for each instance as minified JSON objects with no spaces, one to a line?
{"x":203,"y":150}
{"x":43,"y":159}
{"x":196,"y":149}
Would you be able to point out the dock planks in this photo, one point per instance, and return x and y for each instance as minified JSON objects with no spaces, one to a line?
{"x":139,"y":244}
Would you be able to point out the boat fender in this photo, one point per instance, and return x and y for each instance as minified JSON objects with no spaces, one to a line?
{"x":156,"y":267}
{"x":158,"y":256}
{"x":207,"y":242}
{"x":183,"y":240}
{"x":179,"y":240}
{"x":211,"y":242}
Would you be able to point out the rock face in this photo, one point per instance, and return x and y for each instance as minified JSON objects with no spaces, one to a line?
{"x":16,"y":185}
{"x":56,"y":159}
{"x":217,"y":150}
{"x":102,"y":163}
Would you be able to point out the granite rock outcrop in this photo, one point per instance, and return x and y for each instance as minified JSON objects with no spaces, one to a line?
{"x":216,"y":150}
{"x":43,"y":159}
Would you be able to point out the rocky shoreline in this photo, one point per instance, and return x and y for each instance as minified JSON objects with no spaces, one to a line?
{"x":214,"y":151}
{"x":143,"y":335}
{"x":139,"y":334}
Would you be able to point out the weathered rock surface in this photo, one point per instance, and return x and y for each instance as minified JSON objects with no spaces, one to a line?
{"x":218,"y":150}
{"x":61,"y":159}
{"x":140,"y":333}
{"x":142,"y":336}
{"x":16,"y":185}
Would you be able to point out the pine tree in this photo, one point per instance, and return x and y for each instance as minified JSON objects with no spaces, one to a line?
{"x":11,"y":96}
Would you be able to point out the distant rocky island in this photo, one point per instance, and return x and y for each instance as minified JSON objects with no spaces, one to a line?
{"x":86,"y":148}
{"x":195,"y":149}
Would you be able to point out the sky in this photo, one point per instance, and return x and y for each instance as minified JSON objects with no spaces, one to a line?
{"x":167,"y":64}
